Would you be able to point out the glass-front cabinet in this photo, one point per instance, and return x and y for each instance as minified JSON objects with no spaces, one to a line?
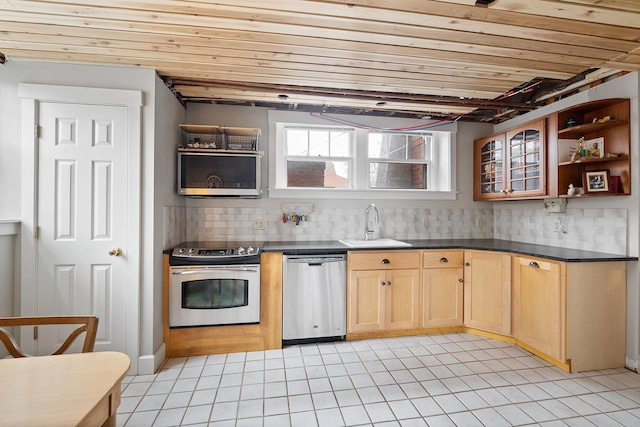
{"x":511,"y":164}
{"x":489,"y":167}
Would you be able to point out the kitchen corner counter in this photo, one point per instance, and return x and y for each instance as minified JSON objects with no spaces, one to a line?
{"x":541,"y":251}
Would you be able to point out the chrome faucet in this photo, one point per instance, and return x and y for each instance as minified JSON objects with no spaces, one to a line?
{"x":369,"y":232}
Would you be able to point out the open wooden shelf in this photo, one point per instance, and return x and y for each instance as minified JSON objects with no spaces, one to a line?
{"x":585,"y":160}
{"x":580,"y":130}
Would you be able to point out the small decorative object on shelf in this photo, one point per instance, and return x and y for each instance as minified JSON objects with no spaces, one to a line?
{"x":575,"y":191}
{"x":596,"y":181}
{"x":571,"y":122}
{"x":615,"y":183}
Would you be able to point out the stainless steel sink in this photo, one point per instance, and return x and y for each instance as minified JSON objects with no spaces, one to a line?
{"x":376,"y":243}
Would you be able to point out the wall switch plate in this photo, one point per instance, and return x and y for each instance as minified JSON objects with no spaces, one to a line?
{"x":258,"y":224}
{"x":554,"y":206}
{"x":425,"y":221}
{"x":478,"y":221}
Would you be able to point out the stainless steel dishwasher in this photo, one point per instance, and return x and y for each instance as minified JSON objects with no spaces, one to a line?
{"x":314,"y":298}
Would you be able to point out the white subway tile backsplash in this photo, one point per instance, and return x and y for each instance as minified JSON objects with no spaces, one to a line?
{"x":594,"y":229}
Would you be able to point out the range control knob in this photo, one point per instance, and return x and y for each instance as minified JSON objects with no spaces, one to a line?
{"x":240,"y":250}
{"x":250,"y":250}
{"x":181,"y":250}
{"x":191,"y":250}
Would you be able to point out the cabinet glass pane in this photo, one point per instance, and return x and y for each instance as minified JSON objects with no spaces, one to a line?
{"x":517,"y":173}
{"x":532,"y":171}
{"x":517,"y":150}
{"x":517,"y":186}
{"x":532,"y":146}
{"x":531,"y":134}
{"x":532,"y":184}
{"x":533,"y":158}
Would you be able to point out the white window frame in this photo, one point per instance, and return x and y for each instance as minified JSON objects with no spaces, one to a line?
{"x":441,"y":173}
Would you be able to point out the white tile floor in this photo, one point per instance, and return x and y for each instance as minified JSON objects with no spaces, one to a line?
{"x":435,"y":380}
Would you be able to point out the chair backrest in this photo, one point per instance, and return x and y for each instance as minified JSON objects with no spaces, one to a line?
{"x":88,"y":324}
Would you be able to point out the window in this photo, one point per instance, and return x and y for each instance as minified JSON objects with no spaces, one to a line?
{"x":318,"y":157}
{"x":312,"y":157}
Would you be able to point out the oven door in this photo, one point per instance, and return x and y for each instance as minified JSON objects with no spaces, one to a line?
{"x":214,"y":295}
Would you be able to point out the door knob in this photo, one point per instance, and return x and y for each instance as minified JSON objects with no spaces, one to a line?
{"x":115,"y":252}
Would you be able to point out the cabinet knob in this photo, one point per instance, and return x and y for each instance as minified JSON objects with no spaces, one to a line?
{"x":385,"y":261}
{"x":460,"y":280}
{"x":443,"y":259}
{"x":467,"y":264}
{"x":388,"y":283}
{"x":383,"y":283}
{"x":534,"y":264}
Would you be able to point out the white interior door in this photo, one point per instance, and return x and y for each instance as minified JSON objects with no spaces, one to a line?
{"x":82,"y":219}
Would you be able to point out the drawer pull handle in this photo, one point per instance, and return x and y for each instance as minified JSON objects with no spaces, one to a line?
{"x":385,"y":261}
{"x":534,"y":264}
{"x":443,"y":259}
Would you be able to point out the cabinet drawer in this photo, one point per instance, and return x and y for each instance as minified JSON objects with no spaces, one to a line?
{"x":442,"y":259}
{"x":383,"y":260}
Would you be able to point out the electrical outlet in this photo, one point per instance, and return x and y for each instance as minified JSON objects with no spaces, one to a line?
{"x":258,"y":224}
{"x":478,"y":221}
{"x":558,"y":225}
{"x":425,"y":221}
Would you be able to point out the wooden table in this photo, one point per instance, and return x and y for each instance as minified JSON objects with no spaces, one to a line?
{"x":66,"y":390}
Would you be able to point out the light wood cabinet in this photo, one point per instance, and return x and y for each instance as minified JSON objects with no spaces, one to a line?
{"x":442,"y":288}
{"x":607,"y":119}
{"x":382,"y":290}
{"x":487,"y":291}
{"x":511,"y":165}
{"x":571,"y":314}
{"x":539,"y":296}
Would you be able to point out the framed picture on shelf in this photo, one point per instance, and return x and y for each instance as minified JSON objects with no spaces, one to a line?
{"x":596,"y":181}
{"x":594,"y":147}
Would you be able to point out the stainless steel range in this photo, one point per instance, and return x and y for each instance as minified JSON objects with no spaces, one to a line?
{"x":214,"y":284}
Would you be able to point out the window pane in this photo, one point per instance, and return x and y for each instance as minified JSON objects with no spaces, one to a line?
{"x":318,"y":143}
{"x":297,"y":142}
{"x":329,"y":174}
{"x":396,"y":146}
{"x":397,"y":175}
{"x":340,"y":143}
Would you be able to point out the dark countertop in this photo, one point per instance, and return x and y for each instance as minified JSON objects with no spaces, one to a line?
{"x":541,"y":251}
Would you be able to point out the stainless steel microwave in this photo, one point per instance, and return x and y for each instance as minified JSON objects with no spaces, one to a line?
{"x":214,"y":173}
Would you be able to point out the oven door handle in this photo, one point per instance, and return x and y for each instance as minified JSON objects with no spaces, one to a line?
{"x":209,"y":270}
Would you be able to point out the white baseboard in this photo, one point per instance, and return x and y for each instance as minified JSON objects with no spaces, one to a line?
{"x":148,"y":365}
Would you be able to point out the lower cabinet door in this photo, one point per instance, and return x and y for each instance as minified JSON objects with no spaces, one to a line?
{"x":442,"y":301}
{"x":402,"y":299}
{"x":366,"y":300}
{"x":538,"y":305}
{"x":487,"y":291}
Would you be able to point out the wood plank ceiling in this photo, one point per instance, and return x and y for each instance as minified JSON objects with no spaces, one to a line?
{"x":480,"y":60}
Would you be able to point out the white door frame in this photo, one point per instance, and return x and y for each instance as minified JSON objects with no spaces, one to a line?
{"x":31,"y":95}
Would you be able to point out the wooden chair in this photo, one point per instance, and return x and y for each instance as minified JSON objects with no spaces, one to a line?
{"x":89,"y":324}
